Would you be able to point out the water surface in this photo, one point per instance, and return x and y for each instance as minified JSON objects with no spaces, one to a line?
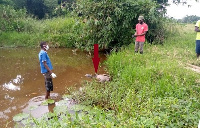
{"x":21,"y":80}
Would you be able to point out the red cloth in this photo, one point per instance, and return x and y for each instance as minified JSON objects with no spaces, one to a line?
{"x":141,"y":28}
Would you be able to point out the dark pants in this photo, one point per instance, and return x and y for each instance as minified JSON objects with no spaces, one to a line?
{"x":48,"y":82}
{"x":198,"y":46}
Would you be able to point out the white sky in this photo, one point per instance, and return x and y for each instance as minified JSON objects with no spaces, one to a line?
{"x":179,"y":11}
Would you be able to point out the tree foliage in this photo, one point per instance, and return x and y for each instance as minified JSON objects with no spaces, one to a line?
{"x":11,"y":19}
{"x":189,"y":19}
{"x":111,"y":23}
{"x":37,"y":8}
{"x":6,"y":2}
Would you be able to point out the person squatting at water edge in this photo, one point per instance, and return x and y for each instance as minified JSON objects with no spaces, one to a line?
{"x":141,"y":30}
{"x":46,"y":68}
{"x":197,"y":26}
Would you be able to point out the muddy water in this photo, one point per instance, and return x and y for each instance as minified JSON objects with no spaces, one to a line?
{"x":21,"y":80}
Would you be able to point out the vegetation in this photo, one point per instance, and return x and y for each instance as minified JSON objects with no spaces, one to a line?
{"x":41,"y":8}
{"x":111,"y":23}
{"x":150,"y":90}
{"x":18,"y":29}
{"x":189,"y":19}
{"x":155,"y":89}
{"x":108,"y":23}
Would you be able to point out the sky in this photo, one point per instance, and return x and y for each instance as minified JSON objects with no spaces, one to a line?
{"x":179,"y":11}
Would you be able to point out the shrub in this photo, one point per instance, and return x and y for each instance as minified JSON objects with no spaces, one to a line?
{"x":63,"y":31}
{"x":111,"y":23}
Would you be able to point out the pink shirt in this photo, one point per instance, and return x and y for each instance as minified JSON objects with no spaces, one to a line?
{"x":141,"y":28}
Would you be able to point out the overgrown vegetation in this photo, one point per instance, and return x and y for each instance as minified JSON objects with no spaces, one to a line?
{"x":155,"y":89}
{"x":18,"y":29}
{"x":106,"y":22}
{"x":41,"y":9}
{"x":189,"y":19}
{"x":78,"y":23}
{"x":151,"y":90}
{"x":111,"y":23}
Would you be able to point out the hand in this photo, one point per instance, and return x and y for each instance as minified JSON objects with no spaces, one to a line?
{"x":53,"y":75}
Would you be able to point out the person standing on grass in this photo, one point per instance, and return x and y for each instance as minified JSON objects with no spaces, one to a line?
{"x":141,"y":30}
{"x":197,"y":26}
{"x":46,"y":68}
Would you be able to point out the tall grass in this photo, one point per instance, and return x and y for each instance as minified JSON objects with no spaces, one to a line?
{"x":15,"y":39}
{"x":18,"y":29}
{"x":64,"y":32}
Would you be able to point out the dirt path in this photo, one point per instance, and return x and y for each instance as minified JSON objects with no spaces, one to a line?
{"x":193,"y":68}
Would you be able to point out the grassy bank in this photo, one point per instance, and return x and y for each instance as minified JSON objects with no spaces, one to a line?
{"x":155,"y":89}
{"x":59,"y":32}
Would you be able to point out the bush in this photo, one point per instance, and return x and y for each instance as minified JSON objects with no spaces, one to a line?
{"x":59,"y":32}
{"x":11,"y":20}
{"x":63,"y":31}
{"x":111,"y":23}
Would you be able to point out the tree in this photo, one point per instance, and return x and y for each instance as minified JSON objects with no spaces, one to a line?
{"x":38,"y":8}
{"x":19,"y":4}
{"x":111,"y":23}
{"x":6,"y":2}
{"x":11,"y":19}
{"x":190,"y":19}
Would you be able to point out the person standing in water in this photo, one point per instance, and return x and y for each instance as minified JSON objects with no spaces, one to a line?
{"x":141,"y":30}
{"x":46,"y":68}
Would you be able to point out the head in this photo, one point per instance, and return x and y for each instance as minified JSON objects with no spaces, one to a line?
{"x":44,"y":46}
{"x":141,"y":19}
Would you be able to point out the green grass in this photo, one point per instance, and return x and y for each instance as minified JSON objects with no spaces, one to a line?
{"x":23,"y":39}
{"x":153,"y":89}
{"x":58,"y":32}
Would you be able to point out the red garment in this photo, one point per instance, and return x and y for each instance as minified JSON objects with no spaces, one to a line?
{"x":141,"y":28}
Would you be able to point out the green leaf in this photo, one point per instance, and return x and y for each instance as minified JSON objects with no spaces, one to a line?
{"x":66,"y":96}
{"x":33,"y":107}
{"x":78,"y":107}
{"x":48,"y":101}
{"x":60,"y":109}
{"x":62,"y":102}
{"x":20,"y":116}
{"x":28,"y":122}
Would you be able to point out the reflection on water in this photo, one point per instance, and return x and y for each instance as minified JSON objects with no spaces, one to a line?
{"x":21,"y":80}
{"x":18,"y":80}
{"x":7,"y":97}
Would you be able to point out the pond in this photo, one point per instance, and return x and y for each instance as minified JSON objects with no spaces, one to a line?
{"x":21,"y":81}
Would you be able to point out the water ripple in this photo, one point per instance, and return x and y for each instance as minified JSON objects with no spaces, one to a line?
{"x":12,"y":85}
